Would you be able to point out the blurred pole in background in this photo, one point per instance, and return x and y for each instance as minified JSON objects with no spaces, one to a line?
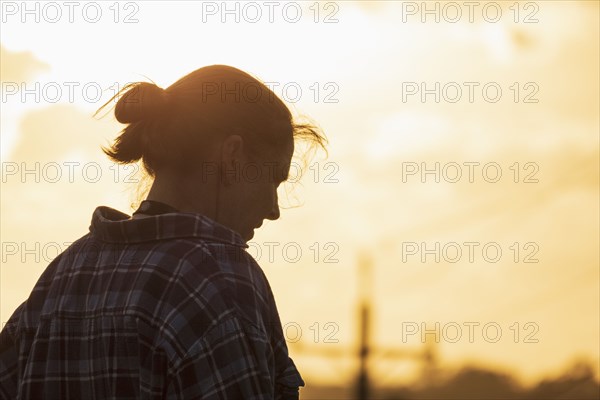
{"x":363,"y":376}
{"x":364,"y":308}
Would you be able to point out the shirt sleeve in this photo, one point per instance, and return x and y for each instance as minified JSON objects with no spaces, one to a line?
{"x":9,"y":357}
{"x":233,"y":360}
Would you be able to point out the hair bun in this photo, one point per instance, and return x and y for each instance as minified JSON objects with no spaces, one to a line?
{"x":141,"y":101}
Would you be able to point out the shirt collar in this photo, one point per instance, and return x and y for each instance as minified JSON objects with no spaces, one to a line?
{"x":110,"y":225}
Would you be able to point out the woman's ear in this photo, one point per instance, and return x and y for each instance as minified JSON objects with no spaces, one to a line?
{"x":232,"y":149}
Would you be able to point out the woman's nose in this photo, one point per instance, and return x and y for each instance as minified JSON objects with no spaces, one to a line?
{"x":274,"y":214}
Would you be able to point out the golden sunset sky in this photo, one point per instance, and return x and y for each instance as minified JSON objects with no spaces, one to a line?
{"x":357,"y":73}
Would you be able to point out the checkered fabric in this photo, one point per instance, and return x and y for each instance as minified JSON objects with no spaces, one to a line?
{"x":170,"y":306}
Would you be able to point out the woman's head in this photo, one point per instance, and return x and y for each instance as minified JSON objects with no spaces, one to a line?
{"x":217,"y":134}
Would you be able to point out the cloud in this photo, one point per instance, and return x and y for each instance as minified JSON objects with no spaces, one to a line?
{"x":54,"y":132}
{"x":19,"y":66}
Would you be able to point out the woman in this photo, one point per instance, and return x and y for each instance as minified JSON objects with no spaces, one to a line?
{"x":167,"y":303}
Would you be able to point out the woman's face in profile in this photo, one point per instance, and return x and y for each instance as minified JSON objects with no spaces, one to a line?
{"x":254,"y":195}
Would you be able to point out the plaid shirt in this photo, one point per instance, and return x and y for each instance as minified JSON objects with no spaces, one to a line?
{"x":164,"y":307}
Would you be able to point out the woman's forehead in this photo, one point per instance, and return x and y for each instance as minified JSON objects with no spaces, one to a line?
{"x":279,"y":167}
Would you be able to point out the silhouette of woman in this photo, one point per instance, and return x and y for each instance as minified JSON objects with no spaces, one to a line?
{"x":167,"y":303}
